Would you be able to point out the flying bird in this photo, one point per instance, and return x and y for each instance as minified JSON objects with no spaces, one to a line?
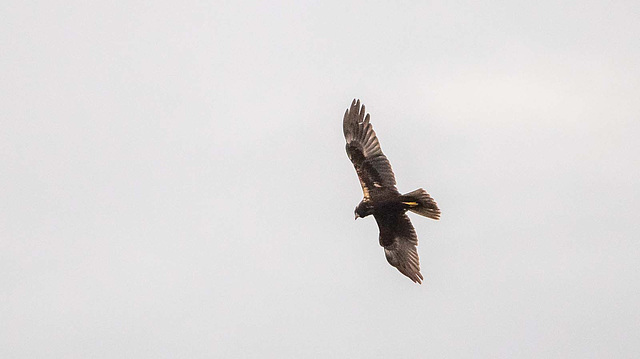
{"x":381,"y":197}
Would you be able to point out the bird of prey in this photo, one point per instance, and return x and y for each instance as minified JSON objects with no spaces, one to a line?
{"x":381,"y":197}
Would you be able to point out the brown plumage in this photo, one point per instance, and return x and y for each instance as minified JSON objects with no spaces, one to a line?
{"x":381,"y":197}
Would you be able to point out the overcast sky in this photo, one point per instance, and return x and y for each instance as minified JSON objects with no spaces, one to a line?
{"x":174,"y":182}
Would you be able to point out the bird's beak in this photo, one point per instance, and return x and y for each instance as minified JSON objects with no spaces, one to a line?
{"x":356,"y":217}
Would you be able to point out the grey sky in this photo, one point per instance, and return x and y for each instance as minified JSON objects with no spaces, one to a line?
{"x":174,"y":181}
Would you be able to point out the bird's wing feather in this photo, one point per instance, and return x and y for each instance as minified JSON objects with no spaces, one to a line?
{"x":399,"y":239}
{"x":363,"y":149}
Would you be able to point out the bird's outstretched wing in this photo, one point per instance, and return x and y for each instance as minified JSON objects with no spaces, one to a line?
{"x":399,"y":240}
{"x":363,"y":149}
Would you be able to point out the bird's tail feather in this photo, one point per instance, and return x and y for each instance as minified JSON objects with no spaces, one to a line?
{"x":420,"y":202}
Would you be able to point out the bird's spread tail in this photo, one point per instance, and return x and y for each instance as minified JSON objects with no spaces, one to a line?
{"x":421,"y":203}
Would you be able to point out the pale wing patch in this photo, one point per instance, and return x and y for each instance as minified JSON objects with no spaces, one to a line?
{"x":365,"y":189}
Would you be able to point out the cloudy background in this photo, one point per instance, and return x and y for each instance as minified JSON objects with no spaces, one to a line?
{"x":174,"y":182}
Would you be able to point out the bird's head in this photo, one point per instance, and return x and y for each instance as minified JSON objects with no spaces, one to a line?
{"x":363,"y":209}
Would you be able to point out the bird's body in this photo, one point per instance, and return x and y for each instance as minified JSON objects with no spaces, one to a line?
{"x":381,"y":197}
